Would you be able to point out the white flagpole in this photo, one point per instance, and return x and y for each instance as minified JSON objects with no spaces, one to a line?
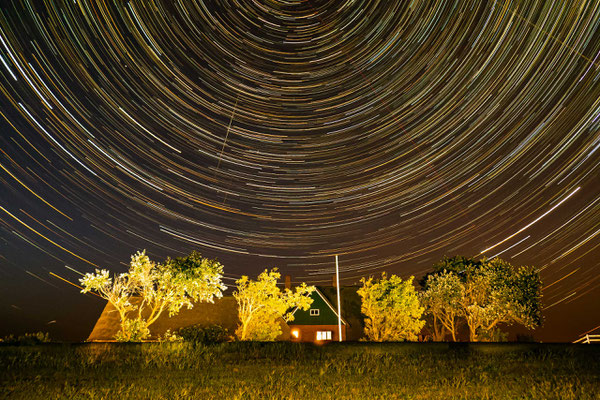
{"x":339,"y":307}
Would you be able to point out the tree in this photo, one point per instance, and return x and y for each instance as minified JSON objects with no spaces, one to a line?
{"x":148,"y":289}
{"x":261,"y":303}
{"x":391,"y":307}
{"x":441,"y":298}
{"x":493,"y":292}
{"x":498,"y":293}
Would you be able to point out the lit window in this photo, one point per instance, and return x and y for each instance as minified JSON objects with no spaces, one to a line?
{"x":323,"y":335}
{"x":295,"y":333}
{"x":314,"y":312}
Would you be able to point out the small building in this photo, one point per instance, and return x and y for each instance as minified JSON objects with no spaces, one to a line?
{"x":318,"y":324}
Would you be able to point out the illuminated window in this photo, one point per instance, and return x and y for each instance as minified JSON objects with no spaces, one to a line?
{"x":323,"y":335}
{"x":295,"y":333}
{"x":314,"y":312}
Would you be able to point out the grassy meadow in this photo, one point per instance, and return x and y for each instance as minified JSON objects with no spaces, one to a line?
{"x":300,"y":371}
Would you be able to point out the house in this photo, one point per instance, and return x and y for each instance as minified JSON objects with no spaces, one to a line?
{"x":318,"y":324}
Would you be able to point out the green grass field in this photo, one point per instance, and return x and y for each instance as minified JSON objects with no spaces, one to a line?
{"x":300,"y":371}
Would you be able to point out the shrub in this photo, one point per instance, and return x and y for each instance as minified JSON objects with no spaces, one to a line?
{"x":205,"y":334}
{"x":170,"y":337}
{"x":493,"y":335}
{"x":525,"y":338}
{"x":132,"y":330}
{"x":28,"y":339}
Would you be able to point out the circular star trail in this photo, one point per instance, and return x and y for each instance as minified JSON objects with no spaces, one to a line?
{"x":278,"y":133}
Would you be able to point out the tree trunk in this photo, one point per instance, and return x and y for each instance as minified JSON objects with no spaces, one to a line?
{"x":438,"y":331}
{"x":245,"y":323}
{"x":472,"y":331}
{"x":453,"y":332}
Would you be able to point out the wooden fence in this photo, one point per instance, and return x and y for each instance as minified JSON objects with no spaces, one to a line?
{"x":588,"y":339}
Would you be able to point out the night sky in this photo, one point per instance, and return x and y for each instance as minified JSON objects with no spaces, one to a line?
{"x":279,"y":133}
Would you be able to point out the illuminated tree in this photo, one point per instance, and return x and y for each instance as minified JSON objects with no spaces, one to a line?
{"x":392,"y":309}
{"x":261,"y":304}
{"x":494,"y":292}
{"x":148,"y":289}
{"x":441,"y":298}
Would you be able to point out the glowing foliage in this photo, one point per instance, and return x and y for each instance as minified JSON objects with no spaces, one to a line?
{"x":392,"y":309}
{"x":148,"y":289}
{"x":261,"y":303}
{"x":492,"y":292}
{"x":441,"y":299}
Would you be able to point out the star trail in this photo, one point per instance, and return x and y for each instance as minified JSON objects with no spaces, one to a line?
{"x":281,"y":132}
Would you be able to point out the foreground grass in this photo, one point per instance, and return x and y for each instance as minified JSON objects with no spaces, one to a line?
{"x":300,"y":371}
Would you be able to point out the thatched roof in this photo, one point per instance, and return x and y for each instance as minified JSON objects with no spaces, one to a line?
{"x":222,"y":312}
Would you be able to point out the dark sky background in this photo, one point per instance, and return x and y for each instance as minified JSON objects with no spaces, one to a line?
{"x":278,"y":133}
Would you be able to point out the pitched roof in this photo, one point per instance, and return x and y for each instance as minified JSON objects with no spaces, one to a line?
{"x":300,"y":316}
{"x":222,"y":312}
